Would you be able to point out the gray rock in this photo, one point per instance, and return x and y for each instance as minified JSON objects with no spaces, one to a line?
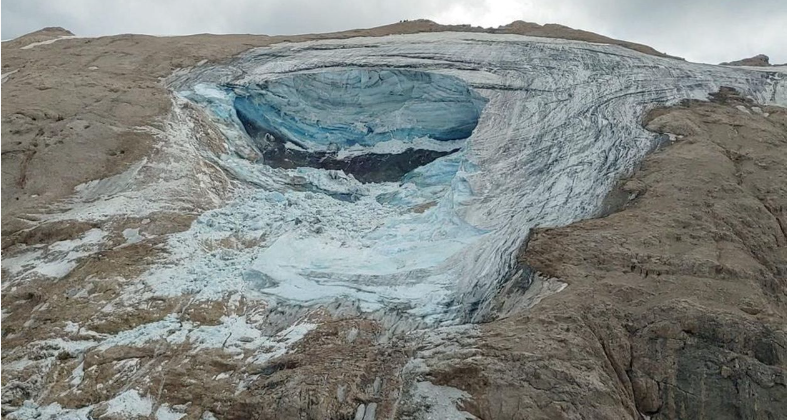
{"x":360,"y":412}
{"x":371,"y":412}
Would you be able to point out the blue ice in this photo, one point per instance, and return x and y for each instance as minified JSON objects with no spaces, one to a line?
{"x":360,"y":106}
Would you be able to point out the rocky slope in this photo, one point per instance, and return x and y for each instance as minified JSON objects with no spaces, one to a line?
{"x":154,"y":266}
{"x":758,"y":60}
{"x":676,"y":301}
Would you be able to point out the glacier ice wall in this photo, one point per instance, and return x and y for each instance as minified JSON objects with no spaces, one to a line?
{"x":359,"y":107}
{"x":561,"y":123}
{"x":375,"y":124}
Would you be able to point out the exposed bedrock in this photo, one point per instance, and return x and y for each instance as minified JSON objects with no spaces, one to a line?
{"x":368,"y":167}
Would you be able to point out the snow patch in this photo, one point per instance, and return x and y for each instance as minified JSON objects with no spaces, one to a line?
{"x":132,"y":236}
{"x":77,"y":375}
{"x":6,"y":75}
{"x":130,"y":404}
{"x":234,"y":335}
{"x":55,"y":260}
{"x":441,"y":401}
{"x":32,"y":411}
{"x":47,"y":42}
{"x":164,"y":412}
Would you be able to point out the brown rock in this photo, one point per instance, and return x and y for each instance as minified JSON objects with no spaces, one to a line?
{"x":760,"y":60}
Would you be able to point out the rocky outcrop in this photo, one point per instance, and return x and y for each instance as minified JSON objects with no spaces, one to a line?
{"x":760,"y":60}
{"x":43,"y":35}
{"x":559,"y":31}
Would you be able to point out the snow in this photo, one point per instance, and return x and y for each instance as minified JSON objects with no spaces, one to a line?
{"x":132,"y":236}
{"x":441,"y":401}
{"x":164,"y":412}
{"x":77,"y":375}
{"x":21,"y":262}
{"x":93,"y":190}
{"x":4,"y":77}
{"x":399,"y":146}
{"x":55,"y":260}
{"x":54,"y":346}
{"x":18,"y":364}
{"x":71,"y":327}
{"x":32,"y":411}
{"x":129,"y":404}
{"x":767,"y":69}
{"x":47,"y":42}
{"x":234,"y":335}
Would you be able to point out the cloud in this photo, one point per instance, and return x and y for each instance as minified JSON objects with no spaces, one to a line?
{"x":700,"y":30}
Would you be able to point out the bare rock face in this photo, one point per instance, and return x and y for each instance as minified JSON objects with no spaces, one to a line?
{"x":670,"y":305}
{"x":760,"y":60}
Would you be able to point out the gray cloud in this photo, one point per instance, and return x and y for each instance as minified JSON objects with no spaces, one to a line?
{"x":699,"y":30}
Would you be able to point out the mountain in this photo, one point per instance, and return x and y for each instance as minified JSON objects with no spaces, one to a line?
{"x":412,"y":221}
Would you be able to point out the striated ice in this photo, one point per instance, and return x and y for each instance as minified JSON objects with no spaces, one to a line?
{"x":360,"y":106}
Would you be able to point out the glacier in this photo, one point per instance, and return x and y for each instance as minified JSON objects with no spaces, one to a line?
{"x":472,"y":140}
{"x":375,"y":124}
{"x":359,"y":107}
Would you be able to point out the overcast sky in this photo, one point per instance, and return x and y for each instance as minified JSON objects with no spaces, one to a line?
{"x":699,"y":30}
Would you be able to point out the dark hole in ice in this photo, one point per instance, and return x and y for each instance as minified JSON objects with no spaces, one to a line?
{"x":360,"y":121}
